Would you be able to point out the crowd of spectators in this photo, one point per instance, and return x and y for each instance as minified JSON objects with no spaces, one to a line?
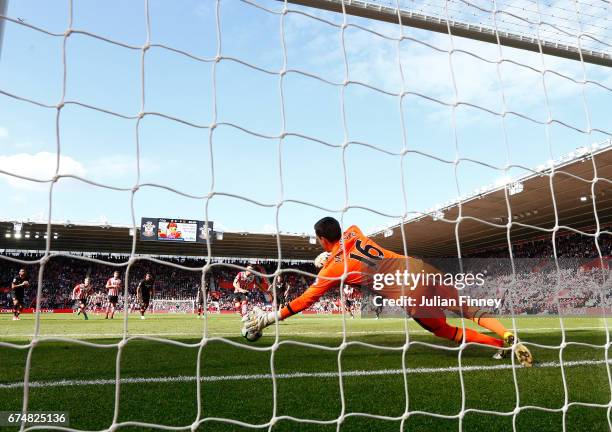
{"x":542,"y":288}
{"x":566,"y":291}
{"x":572,"y":245}
{"x":61,"y":273}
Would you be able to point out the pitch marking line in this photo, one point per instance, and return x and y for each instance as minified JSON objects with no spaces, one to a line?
{"x":356,"y":373}
{"x":319,"y":333}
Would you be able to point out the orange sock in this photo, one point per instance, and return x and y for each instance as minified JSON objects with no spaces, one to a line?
{"x":474,"y":336}
{"x":492,"y":324}
{"x":440,"y":328}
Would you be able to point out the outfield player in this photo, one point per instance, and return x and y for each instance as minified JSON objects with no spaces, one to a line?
{"x":280,"y":287}
{"x":200,"y":302}
{"x":349,"y":300}
{"x":144,"y":292}
{"x":244,"y":284}
{"x":81,"y":293}
{"x":200,"y":297}
{"x":113,"y":286}
{"x":378,"y":311}
{"x":98,"y":299}
{"x":18,"y":286}
{"x":349,"y":253}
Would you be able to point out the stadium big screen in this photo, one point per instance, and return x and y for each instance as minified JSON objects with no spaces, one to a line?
{"x":175,"y":230}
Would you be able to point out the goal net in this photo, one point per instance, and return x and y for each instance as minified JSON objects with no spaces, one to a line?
{"x":385,"y":113}
{"x":173,"y":306}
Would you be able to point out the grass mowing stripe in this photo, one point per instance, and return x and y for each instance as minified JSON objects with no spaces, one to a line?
{"x":354,"y":373}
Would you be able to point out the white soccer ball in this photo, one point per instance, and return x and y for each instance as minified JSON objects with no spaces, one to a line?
{"x":321,"y":259}
{"x":251,"y":336}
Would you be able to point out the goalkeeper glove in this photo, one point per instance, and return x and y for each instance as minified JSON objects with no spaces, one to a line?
{"x":321,"y":259}
{"x":257,"y":320}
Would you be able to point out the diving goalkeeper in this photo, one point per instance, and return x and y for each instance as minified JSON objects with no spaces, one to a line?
{"x":362,"y":255}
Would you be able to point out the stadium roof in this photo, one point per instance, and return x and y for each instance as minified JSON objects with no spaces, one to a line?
{"x":483,"y":224}
{"x":485,"y":214}
{"x":118,"y":239}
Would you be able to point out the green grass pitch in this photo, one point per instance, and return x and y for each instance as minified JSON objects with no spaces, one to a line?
{"x":159,"y":386}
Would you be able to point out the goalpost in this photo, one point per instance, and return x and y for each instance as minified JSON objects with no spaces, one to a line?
{"x":483,"y":22}
{"x":577,"y":31}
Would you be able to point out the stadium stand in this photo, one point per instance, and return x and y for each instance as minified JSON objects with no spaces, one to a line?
{"x":63,"y":272}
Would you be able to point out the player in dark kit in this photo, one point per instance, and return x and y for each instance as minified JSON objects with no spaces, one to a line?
{"x":280,"y":287}
{"x":81,"y":293}
{"x":19,"y":284}
{"x":378,"y":311}
{"x":200,"y":302}
{"x":200,"y":297}
{"x":144,"y":293}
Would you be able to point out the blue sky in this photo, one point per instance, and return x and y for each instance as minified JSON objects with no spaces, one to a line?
{"x":102,"y":147}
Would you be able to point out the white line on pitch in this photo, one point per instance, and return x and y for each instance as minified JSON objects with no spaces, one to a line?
{"x":356,"y":373}
{"x":319,"y":333}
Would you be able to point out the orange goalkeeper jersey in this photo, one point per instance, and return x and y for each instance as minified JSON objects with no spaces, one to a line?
{"x":362,"y":257}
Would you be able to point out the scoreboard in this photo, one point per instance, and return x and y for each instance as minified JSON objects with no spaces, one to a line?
{"x":175,"y":230}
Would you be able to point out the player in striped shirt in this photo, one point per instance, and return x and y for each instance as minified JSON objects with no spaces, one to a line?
{"x":245,"y":283}
{"x":113,"y":285}
{"x":349,"y":300}
{"x":81,"y":292}
{"x":98,"y":299}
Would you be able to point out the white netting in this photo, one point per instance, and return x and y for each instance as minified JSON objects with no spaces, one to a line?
{"x":536,"y":20}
